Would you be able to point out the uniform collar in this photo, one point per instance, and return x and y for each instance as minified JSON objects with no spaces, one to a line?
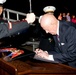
{"x":58,"y":28}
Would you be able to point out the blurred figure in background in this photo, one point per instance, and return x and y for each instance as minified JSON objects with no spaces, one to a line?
{"x":1,"y":10}
{"x":64,"y":16}
{"x":60,"y":16}
{"x":73,"y":19}
{"x":68,"y":18}
{"x":8,"y":28}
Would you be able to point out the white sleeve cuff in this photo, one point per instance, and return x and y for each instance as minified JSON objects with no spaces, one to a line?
{"x":51,"y":57}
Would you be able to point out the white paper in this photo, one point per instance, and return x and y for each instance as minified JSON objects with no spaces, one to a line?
{"x":43,"y":59}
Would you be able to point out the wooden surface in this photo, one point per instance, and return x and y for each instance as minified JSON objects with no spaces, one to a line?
{"x":34,"y":67}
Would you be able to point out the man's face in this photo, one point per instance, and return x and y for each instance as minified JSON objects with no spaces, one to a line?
{"x":50,"y":29}
{"x":1,"y":10}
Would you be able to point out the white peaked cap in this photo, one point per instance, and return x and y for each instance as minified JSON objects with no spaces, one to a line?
{"x":49,"y":9}
{"x":2,"y":1}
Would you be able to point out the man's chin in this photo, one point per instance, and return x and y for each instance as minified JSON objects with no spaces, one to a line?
{"x":53,"y":34}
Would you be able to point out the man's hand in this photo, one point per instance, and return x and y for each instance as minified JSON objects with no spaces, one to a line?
{"x":42,"y":54}
{"x":30,"y":17}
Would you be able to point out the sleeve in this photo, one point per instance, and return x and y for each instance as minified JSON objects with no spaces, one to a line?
{"x":7,"y":29}
{"x":68,"y":51}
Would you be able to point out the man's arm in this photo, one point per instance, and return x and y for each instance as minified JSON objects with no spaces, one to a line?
{"x":10,"y":28}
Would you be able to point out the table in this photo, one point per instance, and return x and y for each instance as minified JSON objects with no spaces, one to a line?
{"x":31,"y":66}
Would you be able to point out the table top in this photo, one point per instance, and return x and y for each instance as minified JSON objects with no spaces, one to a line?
{"x":35,"y":66}
{"x":25,"y":65}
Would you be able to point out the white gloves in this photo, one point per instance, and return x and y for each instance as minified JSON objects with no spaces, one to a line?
{"x":2,"y":1}
{"x":30,"y":17}
{"x":40,"y":18}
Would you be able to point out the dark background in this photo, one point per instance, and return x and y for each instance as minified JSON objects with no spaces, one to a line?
{"x":38,"y":5}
